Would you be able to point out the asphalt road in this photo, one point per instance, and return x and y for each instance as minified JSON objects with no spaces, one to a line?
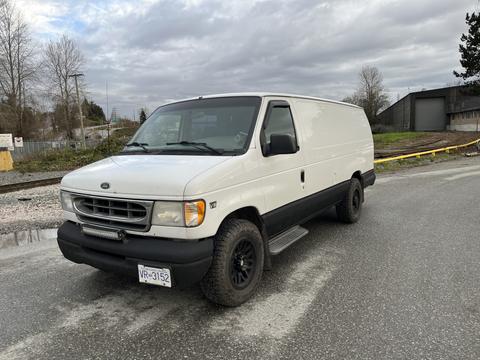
{"x":403,"y":283}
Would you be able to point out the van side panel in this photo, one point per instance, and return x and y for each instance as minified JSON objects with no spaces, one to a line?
{"x":337,"y":141}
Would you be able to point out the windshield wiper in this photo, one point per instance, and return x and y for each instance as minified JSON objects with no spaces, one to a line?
{"x":140,"y":145}
{"x":198,"y":145}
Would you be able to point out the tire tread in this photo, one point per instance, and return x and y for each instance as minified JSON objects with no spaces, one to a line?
{"x":345,"y":211}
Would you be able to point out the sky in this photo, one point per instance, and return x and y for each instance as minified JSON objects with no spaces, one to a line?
{"x":154,"y":51}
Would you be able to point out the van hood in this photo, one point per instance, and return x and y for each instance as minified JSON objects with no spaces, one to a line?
{"x":144,"y":176}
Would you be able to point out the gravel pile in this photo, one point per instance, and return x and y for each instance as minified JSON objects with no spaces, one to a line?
{"x":37,"y":208}
{"x":12,"y":177}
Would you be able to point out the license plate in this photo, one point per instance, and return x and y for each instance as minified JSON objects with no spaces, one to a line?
{"x":154,"y":276}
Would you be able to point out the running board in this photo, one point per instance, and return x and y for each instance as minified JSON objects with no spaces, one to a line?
{"x":285,"y":239}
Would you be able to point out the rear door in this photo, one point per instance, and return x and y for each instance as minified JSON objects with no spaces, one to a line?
{"x":284,"y":179}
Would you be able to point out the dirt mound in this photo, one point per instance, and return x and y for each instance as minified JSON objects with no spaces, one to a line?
{"x":428,"y":141}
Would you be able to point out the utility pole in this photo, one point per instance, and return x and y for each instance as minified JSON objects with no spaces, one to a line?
{"x":107,"y":120}
{"x":75,"y":76}
{"x":106,"y":93}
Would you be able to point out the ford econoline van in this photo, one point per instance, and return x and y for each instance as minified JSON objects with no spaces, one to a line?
{"x":209,"y":189}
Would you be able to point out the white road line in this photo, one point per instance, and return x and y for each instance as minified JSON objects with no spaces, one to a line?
{"x":27,"y":348}
{"x":277,"y":314}
{"x":134,"y":308}
{"x":461,"y":176}
{"x":445,"y":171}
{"x":383,"y":180}
{"x":273,"y":315}
{"x":129,"y":309}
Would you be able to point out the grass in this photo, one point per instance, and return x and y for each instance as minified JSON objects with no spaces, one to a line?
{"x":69,"y":159}
{"x":386,"y":139}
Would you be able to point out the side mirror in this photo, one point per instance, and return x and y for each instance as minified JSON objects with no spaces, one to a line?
{"x":282,"y":144}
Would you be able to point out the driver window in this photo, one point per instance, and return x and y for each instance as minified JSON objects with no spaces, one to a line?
{"x":279,"y":122}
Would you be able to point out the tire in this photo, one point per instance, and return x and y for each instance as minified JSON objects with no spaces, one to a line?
{"x":237,"y":264}
{"x":350,"y":209}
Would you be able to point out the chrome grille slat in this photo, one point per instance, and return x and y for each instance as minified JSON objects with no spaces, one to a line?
{"x":114,"y":213}
{"x":107,"y":207}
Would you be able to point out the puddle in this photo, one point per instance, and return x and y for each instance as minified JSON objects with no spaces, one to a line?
{"x":22,"y":238}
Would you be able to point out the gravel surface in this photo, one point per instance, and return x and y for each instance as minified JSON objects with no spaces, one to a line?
{"x":37,"y":208}
{"x":12,"y":177}
{"x":402,"y":283}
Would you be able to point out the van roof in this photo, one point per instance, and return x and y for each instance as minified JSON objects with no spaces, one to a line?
{"x":267,"y":94}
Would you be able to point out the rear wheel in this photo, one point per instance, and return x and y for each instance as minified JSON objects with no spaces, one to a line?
{"x":237,"y":264}
{"x":350,"y":208}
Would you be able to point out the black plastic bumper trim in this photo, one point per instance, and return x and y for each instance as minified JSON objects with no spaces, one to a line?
{"x":369,"y":178}
{"x":188,"y":260}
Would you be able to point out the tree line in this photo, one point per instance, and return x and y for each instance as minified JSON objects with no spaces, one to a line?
{"x":36,"y":88}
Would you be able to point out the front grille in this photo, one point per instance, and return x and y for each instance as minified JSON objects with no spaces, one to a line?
{"x":114,"y":213}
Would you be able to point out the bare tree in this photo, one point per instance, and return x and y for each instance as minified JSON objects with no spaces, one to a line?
{"x":17,"y":66}
{"x":63,"y":58}
{"x":371,"y":93}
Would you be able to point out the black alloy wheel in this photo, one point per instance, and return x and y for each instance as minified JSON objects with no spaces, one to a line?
{"x":242,"y":264}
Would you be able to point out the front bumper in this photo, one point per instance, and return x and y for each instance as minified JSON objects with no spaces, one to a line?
{"x":188,"y":261}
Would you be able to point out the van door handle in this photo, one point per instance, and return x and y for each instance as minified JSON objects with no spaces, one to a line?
{"x":302,"y":176}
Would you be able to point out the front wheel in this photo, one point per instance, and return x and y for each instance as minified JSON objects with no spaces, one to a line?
{"x":350,"y":208}
{"x":237,"y":264}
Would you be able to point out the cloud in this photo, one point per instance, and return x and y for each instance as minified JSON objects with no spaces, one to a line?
{"x":154,"y":51}
{"x":46,"y":18}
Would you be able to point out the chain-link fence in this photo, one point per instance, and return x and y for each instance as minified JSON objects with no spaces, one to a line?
{"x":35,"y":147}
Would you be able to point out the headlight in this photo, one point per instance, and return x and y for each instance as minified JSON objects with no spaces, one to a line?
{"x":167,"y":213}
{"x":66,"y":200}
{"x":171,"y":213}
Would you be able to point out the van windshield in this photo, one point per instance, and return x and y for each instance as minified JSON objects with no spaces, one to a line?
{"x":217,"y":126}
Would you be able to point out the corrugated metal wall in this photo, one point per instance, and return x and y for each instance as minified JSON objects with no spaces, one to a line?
{"x":398,"y":115}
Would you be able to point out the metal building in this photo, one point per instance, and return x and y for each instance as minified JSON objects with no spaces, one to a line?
{"x":450,"y":108}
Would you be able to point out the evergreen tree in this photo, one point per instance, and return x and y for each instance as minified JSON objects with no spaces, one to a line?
{"x":143,"y":116}
{"x":93,"y":112}
{"x":97,"y":112}
{"x":470,"y":51}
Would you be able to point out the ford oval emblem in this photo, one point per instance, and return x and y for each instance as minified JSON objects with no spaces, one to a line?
{"x":105,"y":186}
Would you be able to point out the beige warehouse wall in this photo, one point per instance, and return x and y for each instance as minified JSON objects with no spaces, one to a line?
{"x":467,"y":121}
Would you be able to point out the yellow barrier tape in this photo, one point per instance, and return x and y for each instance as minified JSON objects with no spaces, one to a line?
{"x":433,"y":152}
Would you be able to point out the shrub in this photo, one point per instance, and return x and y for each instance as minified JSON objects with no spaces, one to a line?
{"x":381,"y":128}
{"x":70,"y":159}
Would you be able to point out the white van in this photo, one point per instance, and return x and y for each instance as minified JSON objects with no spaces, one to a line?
{"x":209,"y":189}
